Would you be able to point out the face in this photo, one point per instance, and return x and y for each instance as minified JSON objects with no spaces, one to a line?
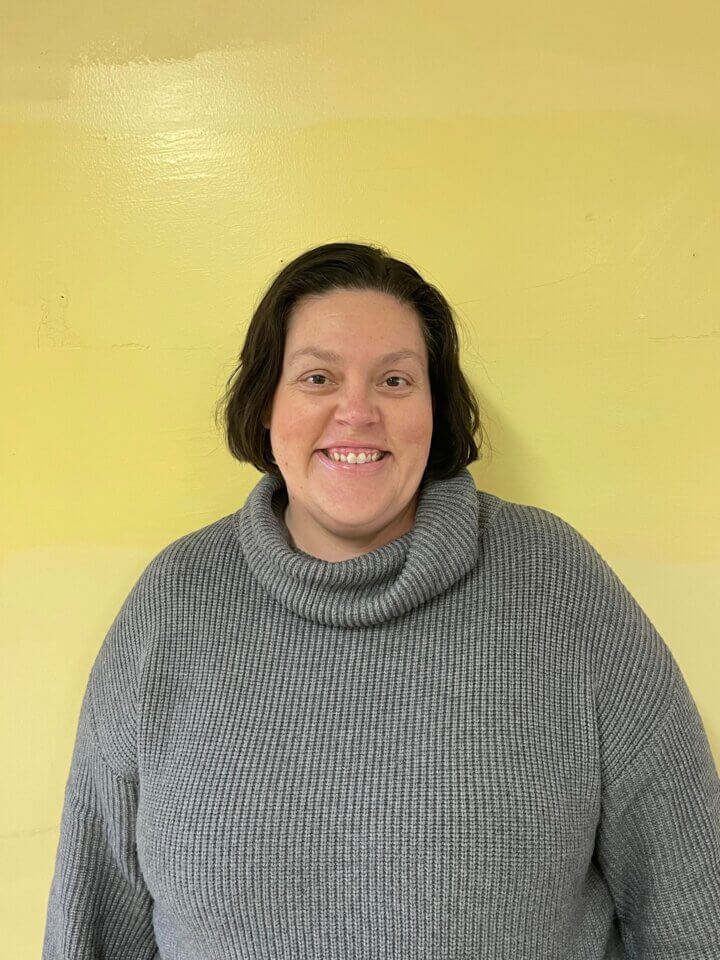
{"x":354,"y":380}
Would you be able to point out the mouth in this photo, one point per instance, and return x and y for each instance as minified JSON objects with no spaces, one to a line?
{"x":357,"y":469}
{"x":383,"y":454}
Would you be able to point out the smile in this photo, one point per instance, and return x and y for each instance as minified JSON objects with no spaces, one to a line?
{"x":351,"y":457}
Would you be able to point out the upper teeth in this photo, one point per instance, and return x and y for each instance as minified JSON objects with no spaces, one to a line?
{"x":364,"y":457}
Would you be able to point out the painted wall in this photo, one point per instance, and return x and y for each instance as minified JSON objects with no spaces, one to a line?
{"x":552,"y":167}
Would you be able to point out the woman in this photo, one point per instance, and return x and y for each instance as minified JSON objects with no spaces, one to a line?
{"x":376,"y":712}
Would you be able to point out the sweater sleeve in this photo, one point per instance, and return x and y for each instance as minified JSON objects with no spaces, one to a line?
{"x":659,"y":841}
{"x":658,"y":837}
{"x":99,"y":905}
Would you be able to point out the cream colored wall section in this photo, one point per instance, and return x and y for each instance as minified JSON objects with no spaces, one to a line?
{"x":553,"y":167}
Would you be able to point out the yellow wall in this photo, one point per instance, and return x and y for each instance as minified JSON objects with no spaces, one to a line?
{"x":552,"y":166}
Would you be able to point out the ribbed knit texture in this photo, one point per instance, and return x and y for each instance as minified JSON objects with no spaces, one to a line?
{"x":469,"y":744}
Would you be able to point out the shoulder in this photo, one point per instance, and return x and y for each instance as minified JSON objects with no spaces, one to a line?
{"x":561,"y":576}
{"x":167,"y":588}
{"x":528,"y":531}
{"x":193,"y":553}
{"x":546,"y":547}
{"x":543,"y":561}
{"x":194,"y":557}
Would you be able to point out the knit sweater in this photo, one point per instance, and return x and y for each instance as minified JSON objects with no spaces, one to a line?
{"x":467,"y":743}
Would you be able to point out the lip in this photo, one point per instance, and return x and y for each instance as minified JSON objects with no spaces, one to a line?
{"x":361,"y":469}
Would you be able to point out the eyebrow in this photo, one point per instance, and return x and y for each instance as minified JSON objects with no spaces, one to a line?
{"x":329,"y":356}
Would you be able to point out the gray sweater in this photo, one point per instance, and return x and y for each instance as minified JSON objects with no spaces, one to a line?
{"x":469,"y":743}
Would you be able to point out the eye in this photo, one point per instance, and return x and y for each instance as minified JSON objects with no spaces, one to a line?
{"x":320,"y":380}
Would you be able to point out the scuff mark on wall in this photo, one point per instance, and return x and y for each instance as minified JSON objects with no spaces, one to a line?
{"x":23,"y":834}
{"x":54,"y":329}
{"x":711,"y":335}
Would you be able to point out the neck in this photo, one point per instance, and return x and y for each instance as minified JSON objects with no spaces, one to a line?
{"x":370,"y":588}
{"x":334,"y":548}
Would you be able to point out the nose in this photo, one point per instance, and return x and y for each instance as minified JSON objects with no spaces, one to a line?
{"x":356,"y":404}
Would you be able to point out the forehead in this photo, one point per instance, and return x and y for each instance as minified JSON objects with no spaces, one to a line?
{"x":365,"y":318}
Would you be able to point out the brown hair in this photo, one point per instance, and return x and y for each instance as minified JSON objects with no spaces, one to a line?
{"x":350,"y":266}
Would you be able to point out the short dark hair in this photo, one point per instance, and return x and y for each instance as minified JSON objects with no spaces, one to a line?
{"x":350,"y":266}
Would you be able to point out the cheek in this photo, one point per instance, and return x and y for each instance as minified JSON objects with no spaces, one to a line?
{"x":287,"y":416}
{"x":419,"y":425}
{"x":293,"y":426}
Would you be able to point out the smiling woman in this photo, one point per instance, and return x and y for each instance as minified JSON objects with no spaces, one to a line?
{"x":351,"y":350}
{"x":374,"y":404}
{"x":377,"y":712}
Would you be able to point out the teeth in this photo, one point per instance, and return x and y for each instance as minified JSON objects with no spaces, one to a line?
{"x":355,"y":458}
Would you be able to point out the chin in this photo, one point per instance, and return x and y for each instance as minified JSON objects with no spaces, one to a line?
{"x":360,"y":523}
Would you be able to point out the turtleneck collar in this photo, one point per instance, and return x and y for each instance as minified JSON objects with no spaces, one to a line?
{"x":373,"y":587}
